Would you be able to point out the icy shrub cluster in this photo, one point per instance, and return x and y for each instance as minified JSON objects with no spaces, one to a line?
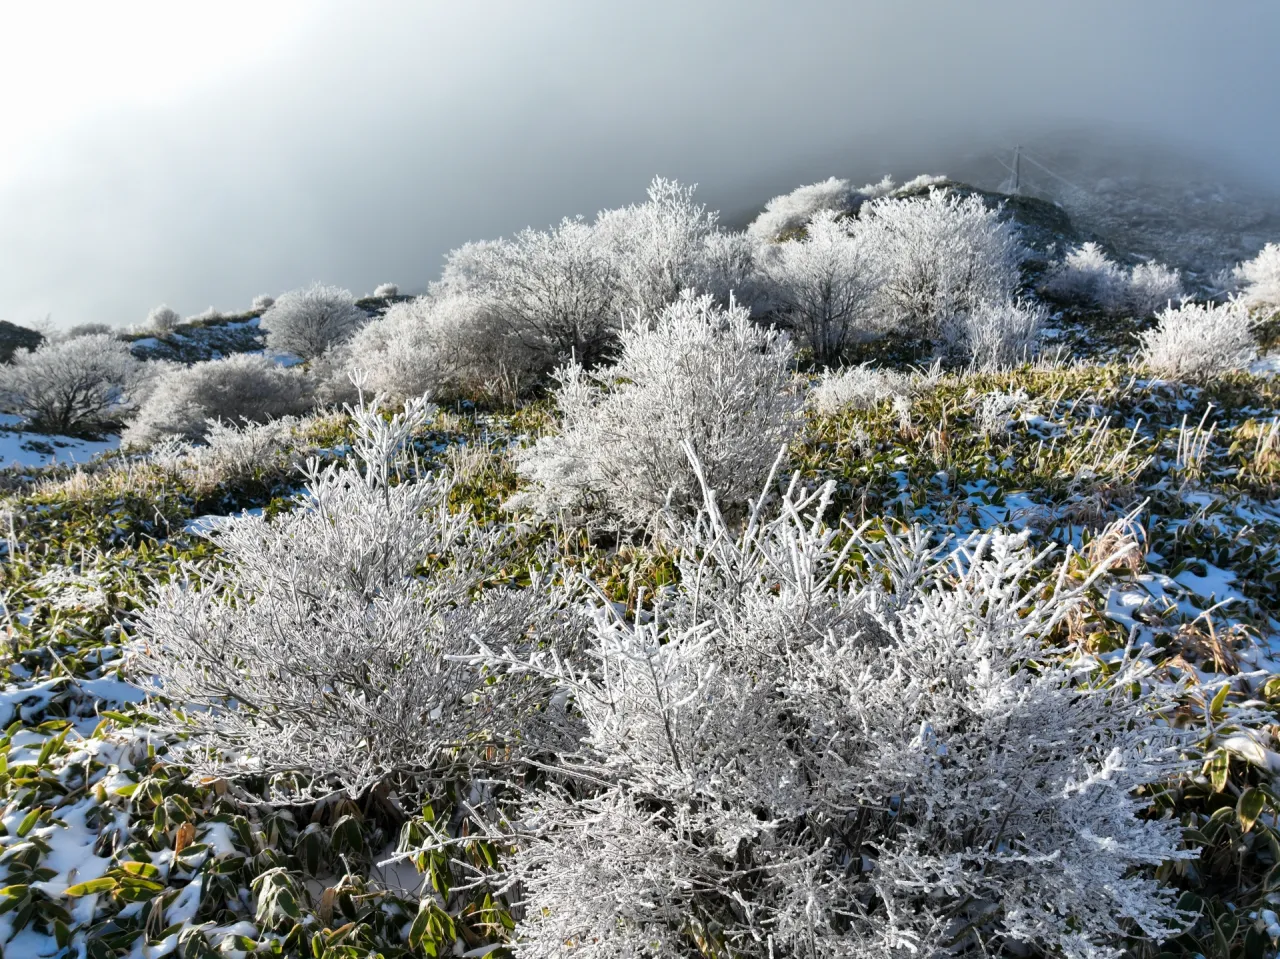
{"x":1259,"y":278}
{"x":787,"y":759}
{"x":696,"y":374}
{"x":940,"y":255}
{"x":451,"y":347}
{"x":162,"y":319}
{"x":81,"y":384}
{"x":1195,"y":341}
{"x":229,"y":452}
{"x":316,"y":656}
{"x":185,"y":400}
{"x":1088,"y":275}
{"x":306,"y":322}
{"x":564,"y":292}
{"x":263,"y":302}
{"x":994,"y":334}
{"x":858,"y":388}
{"x":386,"y":289}
{"x":823,"y":286}
{"x":791,"y":211}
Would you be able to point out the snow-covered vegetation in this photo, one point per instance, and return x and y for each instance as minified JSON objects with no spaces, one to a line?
{"x":696,"y":377}
{"x":162,"y":319}
{"x":1086,"y":274}
{"x":1259,"y":278}
{"x":306,"y":322}
{"x":1196,"y":341}
{"x":861,"y":584}
{"x":184,"y":401}
{"x":84,"y":384}
{"x":453,"y":347}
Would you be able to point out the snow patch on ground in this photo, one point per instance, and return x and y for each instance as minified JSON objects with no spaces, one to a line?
{"x":23,"y":448}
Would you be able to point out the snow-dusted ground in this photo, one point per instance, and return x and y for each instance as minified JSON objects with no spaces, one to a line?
{"x":1268,"y":365}
{"x":20,"y":447}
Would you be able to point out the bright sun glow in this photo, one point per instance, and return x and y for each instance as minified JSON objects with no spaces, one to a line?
{"x":62,"y":62}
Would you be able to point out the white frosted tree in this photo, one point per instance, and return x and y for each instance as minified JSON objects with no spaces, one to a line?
{"x":306,"y":322}
{"x":823,"y":286}
{"x":81,"y":384}
{"x":660,"y":246}
{"x":940,"y":254}
{"x":697,"y":373}
{"x":558,"y":290}
{"x":162,"y":319}
{"x":993,"y":336}
{"x":450,"y":347}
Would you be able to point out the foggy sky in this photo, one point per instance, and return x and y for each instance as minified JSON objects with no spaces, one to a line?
{"x":358,"y":143}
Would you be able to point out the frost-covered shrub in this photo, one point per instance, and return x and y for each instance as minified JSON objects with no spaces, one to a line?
{"x":210,"y":314}
{"x":89,"y":329}
{"x":558,"y":290}
{"x":1087,"y":275}
{"x":162,"y":319}
{"x":822,"y":286}
{"x":386,"y":289}
{"x":307,"y":322}
{"x":699,"y":374}
{"x":74,"y":385}
{"x":315,"y":655}
{"x":450,"y":347}
{"x":857,"y":387}
{"x":229,"y":453}
{"x":784,"y":759}
{"x":993,"y":336}
{"x":791,"y":211}
{"x":659,"y":247}
{"x":939,"y":255}
{"x":1152,"y":287}
{"x":1194,"y":341}
{"x":1259,"y":278}
{"x":263,"y":302}
{"x":186,"y":399}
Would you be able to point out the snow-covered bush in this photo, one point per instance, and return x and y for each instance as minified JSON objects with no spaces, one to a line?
{"x":89,"y":329}
{"x":1259,"y":278}
{"x":386,"y":289}
{"x":782,"y":759}
{"x":210,"y":314}
{"x":993,"y":336}
{"x":698,"y":373}
{"x":1151,"y":287}
{"x":857,"y":387}
{"x":230,"y":452}
{"x":162,"y":319}
{"x":306,"y":322}
{"x":1195,"y":341}
{"x":659,"y":247}
{"x":791,"y":211}
{"x":450,"y":347}
{"x":1087,"y":275}
{"x":263,"y":302}
{"x":558,"y":290}
{"x":939,"y":255}
{"x":822,"y":286}
{"x":245,"y":386}
{"x":82,"y":384}
{"x":315,"y":655}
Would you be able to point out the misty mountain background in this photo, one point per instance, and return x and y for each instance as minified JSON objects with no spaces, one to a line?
{"x":357,"y":144}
